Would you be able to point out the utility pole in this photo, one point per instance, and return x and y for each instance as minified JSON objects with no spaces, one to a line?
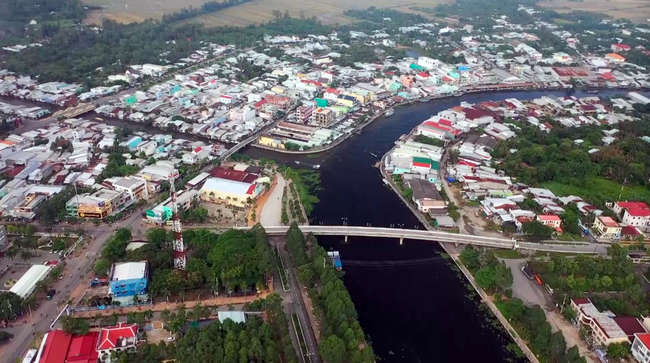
{"x":179,"y":248}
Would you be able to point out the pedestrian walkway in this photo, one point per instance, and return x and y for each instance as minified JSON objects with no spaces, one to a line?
{"x":215,"y":301}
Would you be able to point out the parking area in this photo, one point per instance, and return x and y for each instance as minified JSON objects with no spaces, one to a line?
{"x":16,"y":268}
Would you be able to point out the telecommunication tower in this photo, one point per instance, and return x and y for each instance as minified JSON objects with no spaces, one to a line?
{"x":179,"y":247}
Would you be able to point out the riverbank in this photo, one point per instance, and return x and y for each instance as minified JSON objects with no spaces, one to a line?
{"x":453,"y":252}
{"x":462,"y":92}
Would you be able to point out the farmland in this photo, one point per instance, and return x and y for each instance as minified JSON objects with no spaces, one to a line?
{"x":635,"y":10}
{"x":254,"y":12}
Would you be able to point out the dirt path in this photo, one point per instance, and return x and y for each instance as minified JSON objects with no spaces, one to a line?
{"x":217,"y":301}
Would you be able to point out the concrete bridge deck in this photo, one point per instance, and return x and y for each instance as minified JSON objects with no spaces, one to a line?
{"x":440,"y":236}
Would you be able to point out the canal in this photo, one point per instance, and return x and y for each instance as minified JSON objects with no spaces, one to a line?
{"x":420,"y":313}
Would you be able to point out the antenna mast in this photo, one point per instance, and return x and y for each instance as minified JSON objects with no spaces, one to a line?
{"x":179,"y":248}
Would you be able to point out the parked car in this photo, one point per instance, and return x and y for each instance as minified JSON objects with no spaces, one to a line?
{"x":528,"y":272}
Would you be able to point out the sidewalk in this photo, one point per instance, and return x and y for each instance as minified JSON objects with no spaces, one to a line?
{"x":217,"y":301}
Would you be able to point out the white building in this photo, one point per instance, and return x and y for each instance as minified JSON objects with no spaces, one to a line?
{"x":637,"y":217}
{"x":25,"y":286}
{"x":641,"y":347}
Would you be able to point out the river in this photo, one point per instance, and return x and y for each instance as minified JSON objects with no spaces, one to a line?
{"x":421,"y":313}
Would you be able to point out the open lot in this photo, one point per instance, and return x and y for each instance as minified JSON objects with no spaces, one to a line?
{"x":254,"y":12}
{"x":635,"y":10}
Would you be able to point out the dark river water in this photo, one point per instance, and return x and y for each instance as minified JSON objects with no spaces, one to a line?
{"x":423,"y":313}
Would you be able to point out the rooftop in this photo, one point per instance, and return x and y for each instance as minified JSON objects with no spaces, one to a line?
{"x":608,"y":221}
{"x":549,"y":217}
{"x":233,"y":175}
{"x":60,"y":347}
{"x":638,"y":212}
{"x":640,"y":205}
{"x":129,"y":271}
{"x":119,"y":336}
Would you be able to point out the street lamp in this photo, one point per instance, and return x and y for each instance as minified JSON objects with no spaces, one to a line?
{"x":400,"y":225}
{"x":345,"y":221}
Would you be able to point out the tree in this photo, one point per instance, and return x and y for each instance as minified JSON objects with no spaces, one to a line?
{"x":536,"y":230}
{"x":606,"y":281}
{"x":10,"y":306}
{"x":618,"y":351}
{"x":102,"y":267}
{"x":332,"y":349}
{"x":72,"y":325}
{"x":306,"y":275}
{"x":469,"y":256}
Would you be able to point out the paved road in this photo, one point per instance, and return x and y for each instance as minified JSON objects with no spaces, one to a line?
{"x":529,"y":292}
{"x":300,"y":309}
{"x":76,"y":267}
{"x":272,"y":210}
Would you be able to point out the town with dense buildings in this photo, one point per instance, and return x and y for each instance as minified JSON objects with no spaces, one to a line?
{"x":101,"y":171}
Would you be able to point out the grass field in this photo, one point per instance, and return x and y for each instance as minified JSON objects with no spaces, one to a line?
{"x":635,"y":10}
{"x":255,"y":12}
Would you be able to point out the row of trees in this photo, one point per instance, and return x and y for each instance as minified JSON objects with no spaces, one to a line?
{"x":532,"y":326}
{"x":256,"y":340}
{"x":205,"y":8}
{"x":342,"y":338}
{"x":307,"y":182}
{"x":76,"y":54}
{"x":490,"y":274}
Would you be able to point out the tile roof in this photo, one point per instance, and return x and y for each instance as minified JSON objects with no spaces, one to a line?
{"x":629,"y":325}
{"x":632,"y":205}
{"x":109,"y":337}
{"x":61,"y":347}
{"x":234,"y":175}
{"x":549,"y":217}
{"x":638,"y":212}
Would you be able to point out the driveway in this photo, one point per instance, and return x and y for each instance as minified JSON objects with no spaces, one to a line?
{"x":523,"y":288}
{"x":272,"y":210}
{"x":533,"y":294}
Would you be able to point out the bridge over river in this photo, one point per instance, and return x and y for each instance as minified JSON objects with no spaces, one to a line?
{"x":440,"y":236}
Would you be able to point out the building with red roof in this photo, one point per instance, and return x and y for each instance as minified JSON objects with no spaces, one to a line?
{"x":620,"y":48}
{"x":641,"y":347}
{"x":61,"y":347}
{"x":629,"y":325}
{"x":604,"y":328}
{"x":637,"y":217}
{"x":550,"y":220}
{"x":122,"y":337}
{"x":234,"y":175}
{"x":618,"y":207}
{"x":231,"y":187}
{"x":445,"y":122}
